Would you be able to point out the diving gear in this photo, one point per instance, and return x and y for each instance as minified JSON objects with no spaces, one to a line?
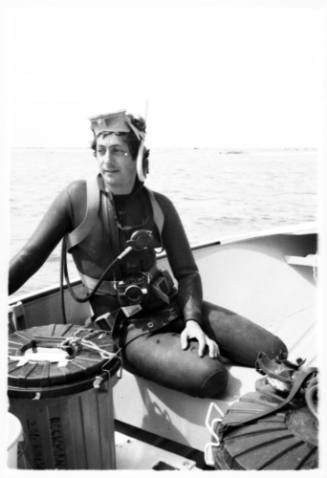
{"x":159,"y":284}
{"x":132,"y":290}
{"x":110,"y":123}
{"x":142,"y":164}
{"x":162,"y":286}
{"x":103,"y":322}
{"x":270,"y":428}
{"x":92,"y":210}
{"x":68,"y":211}
{"x":139,"y":240}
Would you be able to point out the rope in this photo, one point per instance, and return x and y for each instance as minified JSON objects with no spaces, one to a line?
{"x":76,"y":343}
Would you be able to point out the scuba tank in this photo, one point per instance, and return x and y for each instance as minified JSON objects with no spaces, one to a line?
{"x":273,"y":428}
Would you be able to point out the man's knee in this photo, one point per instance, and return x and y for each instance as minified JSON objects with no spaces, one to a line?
{"x":214,"y":381}
{"x":160,"y":358}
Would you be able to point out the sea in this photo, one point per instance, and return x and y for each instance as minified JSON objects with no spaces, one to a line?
{"x":217,"y":193}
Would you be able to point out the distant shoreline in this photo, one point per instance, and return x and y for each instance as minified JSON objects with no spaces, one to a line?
{"x":182,"y":148}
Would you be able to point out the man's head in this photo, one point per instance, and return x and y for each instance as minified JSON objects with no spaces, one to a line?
{"x":118,"y":136}
{"x":121,"y":123}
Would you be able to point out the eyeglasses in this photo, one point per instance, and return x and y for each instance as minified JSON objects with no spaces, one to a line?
{"x":114,"y":152}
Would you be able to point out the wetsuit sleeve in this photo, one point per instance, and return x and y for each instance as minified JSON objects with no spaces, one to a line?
{"x":181,"y":261}
{"x":56,"y":222}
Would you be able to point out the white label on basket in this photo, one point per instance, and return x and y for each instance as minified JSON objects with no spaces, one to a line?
{"x":42,"y":354}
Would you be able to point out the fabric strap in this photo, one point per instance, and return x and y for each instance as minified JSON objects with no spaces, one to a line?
{"x":158,"y":215}
{"x":93,"y":195}
{"x":109,"y":223}
{"x":92,"y":209}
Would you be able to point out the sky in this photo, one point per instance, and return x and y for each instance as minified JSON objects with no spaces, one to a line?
{"x":212,"y":73}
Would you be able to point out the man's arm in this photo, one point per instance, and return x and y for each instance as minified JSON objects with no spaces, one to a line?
{"x":56,"y":222}
{"x":181,"y":261}
{"x":186,"y":272}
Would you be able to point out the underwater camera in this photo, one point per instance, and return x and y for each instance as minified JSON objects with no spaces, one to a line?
{"x":132,"y":290}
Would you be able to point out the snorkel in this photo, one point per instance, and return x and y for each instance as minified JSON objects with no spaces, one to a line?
{"x":123,"y":122}
{"x":141,"y":168}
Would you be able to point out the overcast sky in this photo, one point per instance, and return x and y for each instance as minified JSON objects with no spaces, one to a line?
{"x":213,"y":76}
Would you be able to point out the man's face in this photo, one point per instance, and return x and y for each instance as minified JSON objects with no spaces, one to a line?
{"x":115,"y":162}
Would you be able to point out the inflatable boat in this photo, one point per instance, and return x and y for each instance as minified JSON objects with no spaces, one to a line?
{"x":269,"y":277}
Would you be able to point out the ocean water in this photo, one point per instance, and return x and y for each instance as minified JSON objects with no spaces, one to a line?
{"x":216,"y":193}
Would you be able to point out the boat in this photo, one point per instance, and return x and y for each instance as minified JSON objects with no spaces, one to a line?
{"x":269,"y":277}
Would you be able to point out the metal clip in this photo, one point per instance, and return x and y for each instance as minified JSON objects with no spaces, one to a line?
{"x":99,"y":381}
{"x":103,"y":322}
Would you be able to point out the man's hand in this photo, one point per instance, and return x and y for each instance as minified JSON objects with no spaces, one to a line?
{"x":193,"y":331}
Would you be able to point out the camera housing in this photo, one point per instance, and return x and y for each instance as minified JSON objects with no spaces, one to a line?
{"x":132,"y":290}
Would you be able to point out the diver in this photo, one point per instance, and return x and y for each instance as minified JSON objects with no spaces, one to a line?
{"x":113,"y":226}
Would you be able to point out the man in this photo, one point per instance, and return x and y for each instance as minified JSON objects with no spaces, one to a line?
{"x":156,"y":324}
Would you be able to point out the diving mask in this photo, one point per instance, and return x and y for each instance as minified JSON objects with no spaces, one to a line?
{"x":119,"y":122}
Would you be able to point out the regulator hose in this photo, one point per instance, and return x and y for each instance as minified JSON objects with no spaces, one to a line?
{"x":64,"y":275}
{"x":140,"y":240}
{"x":101,"y":279}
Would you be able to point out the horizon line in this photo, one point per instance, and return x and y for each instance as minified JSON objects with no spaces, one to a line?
{"x":236,"y":150}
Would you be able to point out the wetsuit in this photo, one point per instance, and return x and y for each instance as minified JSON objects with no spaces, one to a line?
{"x":157,"y":355}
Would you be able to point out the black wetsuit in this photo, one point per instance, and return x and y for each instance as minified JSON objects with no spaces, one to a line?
{"x":157,"y":356}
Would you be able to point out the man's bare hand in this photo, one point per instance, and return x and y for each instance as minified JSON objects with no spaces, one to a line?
{"x":193,"y":331}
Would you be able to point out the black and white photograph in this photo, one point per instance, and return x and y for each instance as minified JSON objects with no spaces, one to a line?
{"x":162,"y":266}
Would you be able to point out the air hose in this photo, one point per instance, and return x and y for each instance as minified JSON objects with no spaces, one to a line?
{"x":140,"y":240}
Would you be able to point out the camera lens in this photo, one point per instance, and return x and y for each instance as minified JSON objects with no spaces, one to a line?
{"x":133,"y":294}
